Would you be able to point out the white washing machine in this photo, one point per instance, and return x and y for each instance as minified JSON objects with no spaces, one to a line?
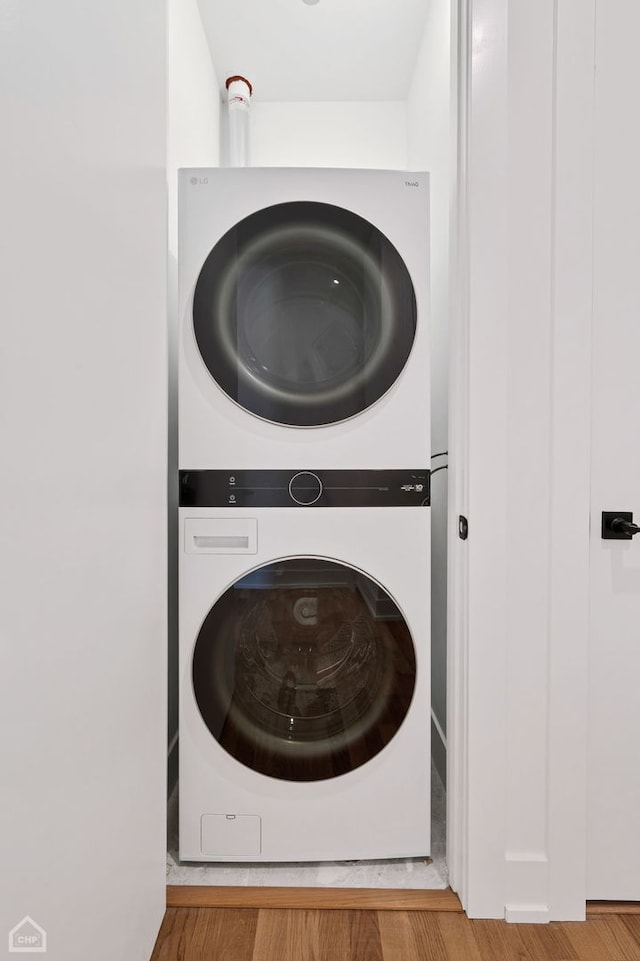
{"x":304,"y":318}
{"x":304,"y":665}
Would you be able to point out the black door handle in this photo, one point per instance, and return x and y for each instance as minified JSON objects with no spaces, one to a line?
{"x":624,"y":526}
{"x":618,"y":526}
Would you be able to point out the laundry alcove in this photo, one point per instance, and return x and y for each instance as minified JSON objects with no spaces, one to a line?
{"x":84,"y":382}
{"x":358,"y":88}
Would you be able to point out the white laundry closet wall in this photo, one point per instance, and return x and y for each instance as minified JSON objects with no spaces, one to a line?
{"x":329,"y":134}
{"x":83,"y":484}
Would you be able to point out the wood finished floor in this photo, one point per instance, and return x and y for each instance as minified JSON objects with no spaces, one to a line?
{"x":274,"y":934}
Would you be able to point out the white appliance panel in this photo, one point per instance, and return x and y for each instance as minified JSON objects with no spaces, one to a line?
{"x":391,"y":431}
{"x":380,"y":809}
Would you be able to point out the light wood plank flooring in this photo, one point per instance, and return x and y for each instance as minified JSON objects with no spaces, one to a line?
{"x":282,"y":934}
{"x":346,"y":899}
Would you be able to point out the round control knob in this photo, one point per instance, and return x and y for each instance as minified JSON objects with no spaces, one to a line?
{"x":305,"y":488}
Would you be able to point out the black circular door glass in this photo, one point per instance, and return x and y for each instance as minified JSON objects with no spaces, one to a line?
{"x":304,"y":313}
{"x":304,"y":669}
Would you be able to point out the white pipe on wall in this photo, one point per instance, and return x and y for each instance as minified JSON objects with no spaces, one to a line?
{"x":239,"y":93}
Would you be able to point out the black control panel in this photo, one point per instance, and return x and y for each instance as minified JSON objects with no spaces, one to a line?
{"x":305,"y":488}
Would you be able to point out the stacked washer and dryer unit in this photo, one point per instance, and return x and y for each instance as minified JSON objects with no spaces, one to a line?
{"x":304,"y":521}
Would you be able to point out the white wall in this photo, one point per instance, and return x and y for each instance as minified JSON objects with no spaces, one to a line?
{"x":194,"y":97}
{"x":429,"y":128}
{"x":83,"y":481}
{"x":193,"y":139}
{"x":329,"y":134}
{"x":522,"y":720}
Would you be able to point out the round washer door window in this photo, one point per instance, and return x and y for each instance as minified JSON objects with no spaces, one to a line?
{"x":304,"y":314}
{"x":304,"y":669}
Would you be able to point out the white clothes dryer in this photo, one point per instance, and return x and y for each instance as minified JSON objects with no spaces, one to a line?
{"x":304,"y":318}
{"x":304,"y":665}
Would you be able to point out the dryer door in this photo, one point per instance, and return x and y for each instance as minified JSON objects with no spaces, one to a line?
{"x":304,"y":669}
{"x":304,"y":314}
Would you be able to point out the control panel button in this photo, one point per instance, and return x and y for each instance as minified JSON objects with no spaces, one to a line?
{"x":305,"y":488}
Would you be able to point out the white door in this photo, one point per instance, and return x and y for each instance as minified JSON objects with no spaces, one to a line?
{"x":83,"y":479}
{"x":613,"y":838}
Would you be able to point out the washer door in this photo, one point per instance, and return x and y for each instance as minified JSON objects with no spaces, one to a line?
{"x":304,"y":669}
{"x":305,"y":314}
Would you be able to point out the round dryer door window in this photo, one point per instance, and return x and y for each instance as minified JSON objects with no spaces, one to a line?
{"x":304,"y":314}
{"x":304,"y":669}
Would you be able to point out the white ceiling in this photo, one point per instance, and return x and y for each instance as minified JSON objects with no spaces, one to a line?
{"x":334,"y":50}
